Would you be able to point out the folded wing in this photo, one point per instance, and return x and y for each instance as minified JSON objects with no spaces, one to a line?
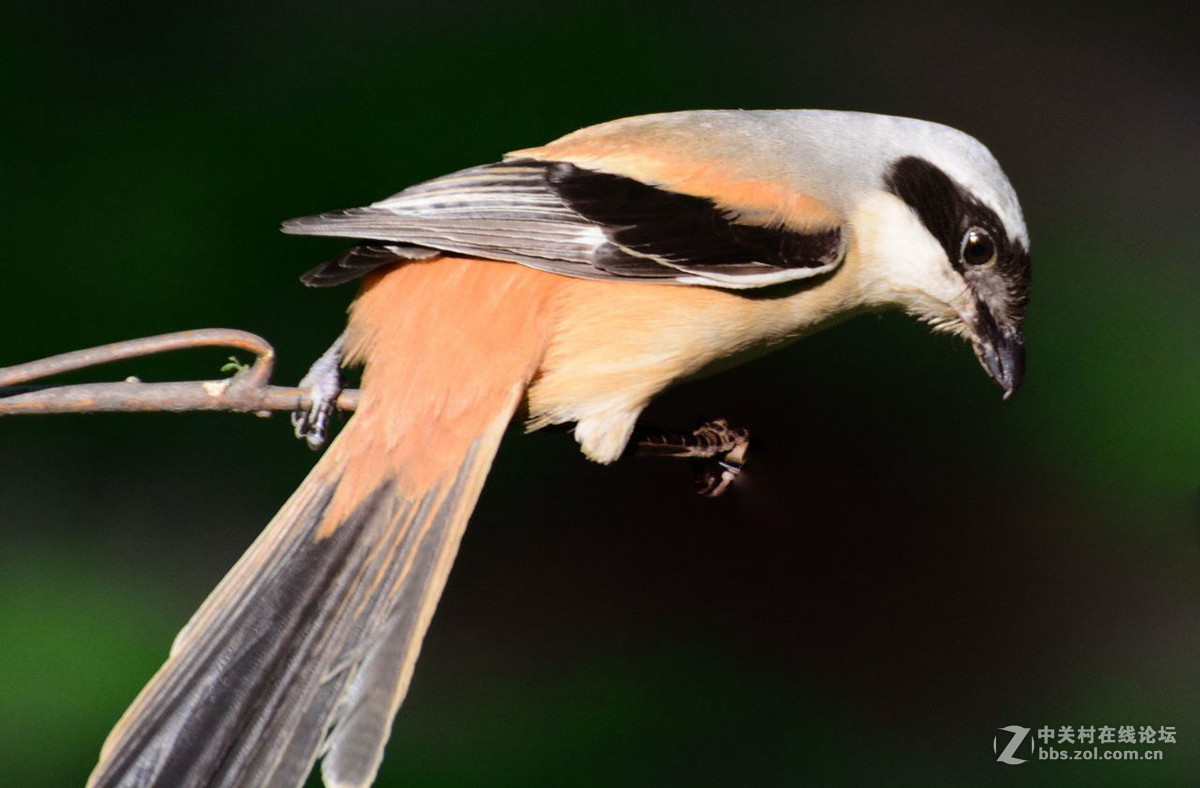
{"x":566,"y":219}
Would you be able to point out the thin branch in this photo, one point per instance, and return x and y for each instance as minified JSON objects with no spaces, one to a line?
{"x":146,"y":346}
{"x":248,"y":391}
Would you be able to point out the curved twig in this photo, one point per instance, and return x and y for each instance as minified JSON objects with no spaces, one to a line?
{"x":248,"y":391}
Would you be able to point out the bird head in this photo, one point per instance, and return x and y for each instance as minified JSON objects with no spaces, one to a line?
{"x":945,"y":240}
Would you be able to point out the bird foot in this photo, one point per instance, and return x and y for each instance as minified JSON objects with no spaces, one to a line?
{"x":323,"y":382}
{"x":717,"y":450}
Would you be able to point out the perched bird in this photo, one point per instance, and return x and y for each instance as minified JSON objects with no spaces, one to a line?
{"x":569,"y":284}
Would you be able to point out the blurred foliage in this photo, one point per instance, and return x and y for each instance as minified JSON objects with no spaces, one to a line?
{"x":910,"y":564}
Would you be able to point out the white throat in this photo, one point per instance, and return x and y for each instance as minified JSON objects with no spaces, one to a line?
{"x":902,"y":264}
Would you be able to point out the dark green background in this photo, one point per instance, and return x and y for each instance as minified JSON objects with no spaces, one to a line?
{"x":910,"y":564}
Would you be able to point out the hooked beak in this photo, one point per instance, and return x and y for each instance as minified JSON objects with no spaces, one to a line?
{"x":1001,"y":351}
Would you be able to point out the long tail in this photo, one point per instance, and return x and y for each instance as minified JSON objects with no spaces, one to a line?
{"x":307,"y":646}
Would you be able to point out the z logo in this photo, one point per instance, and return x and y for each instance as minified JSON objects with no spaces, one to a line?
{"x":1018,"y":736}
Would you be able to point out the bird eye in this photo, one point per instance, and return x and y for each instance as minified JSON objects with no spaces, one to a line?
{"x":978,"y":248}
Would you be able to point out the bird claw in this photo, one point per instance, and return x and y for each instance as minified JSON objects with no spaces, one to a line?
{"x":715,"y":474}
{"x":713,"y":477}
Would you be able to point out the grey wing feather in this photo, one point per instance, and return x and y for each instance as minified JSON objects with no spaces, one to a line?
{"x":568,"y":220}
{"x":497,"y":211}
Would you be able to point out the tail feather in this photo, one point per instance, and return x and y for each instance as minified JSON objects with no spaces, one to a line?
{"x":354,"y":748}
{"x":218,"y":700}
{"x":314,"y":653}
{"x":307,"y":647}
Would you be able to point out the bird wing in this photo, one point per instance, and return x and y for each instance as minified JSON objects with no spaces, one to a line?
{"x":551,"y":213}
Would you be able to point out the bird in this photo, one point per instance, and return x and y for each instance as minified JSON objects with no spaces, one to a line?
{"x":566,"y":284}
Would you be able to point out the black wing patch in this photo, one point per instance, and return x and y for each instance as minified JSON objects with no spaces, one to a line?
{"x":648,"y":227}
{"x":568,"y":220}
